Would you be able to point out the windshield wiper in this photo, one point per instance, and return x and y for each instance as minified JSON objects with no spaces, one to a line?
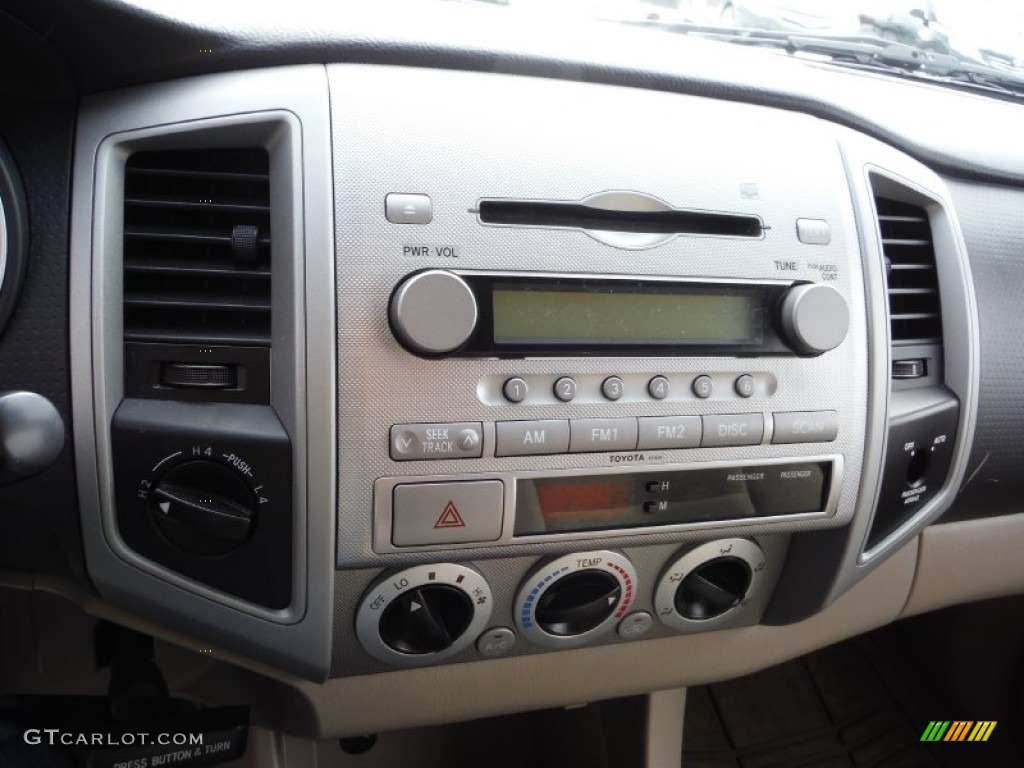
{"x":866,"y":52}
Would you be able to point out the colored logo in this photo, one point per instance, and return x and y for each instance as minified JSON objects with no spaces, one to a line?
{"x":958,"y":730}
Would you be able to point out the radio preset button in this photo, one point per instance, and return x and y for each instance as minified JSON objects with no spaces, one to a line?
{"x":447,"y":513}
{"x":669,"y":432}
{"x":416,"y":442}
{"x":658,"y":387}
{"x":732,"y":429}
{"x":744,"y":385}
{"x":805,"y":427}
{"x":565,"y":389}
{"x":703,"y":386}
{"x":611,"y":388}
{"x":593,"y":435}
{"x":515,"y":390}
{"x":531,"y":438}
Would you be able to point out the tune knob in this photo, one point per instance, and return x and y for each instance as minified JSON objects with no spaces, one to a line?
{"x":433,"y":312}
{"x":815,"y":318}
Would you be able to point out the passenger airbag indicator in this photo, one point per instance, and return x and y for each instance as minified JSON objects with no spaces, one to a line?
{"x":637,"y":499}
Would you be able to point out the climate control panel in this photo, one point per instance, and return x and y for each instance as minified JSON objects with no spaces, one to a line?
{"x":435,"y":613}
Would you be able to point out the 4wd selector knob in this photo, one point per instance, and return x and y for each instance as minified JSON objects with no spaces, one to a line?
{"x":203,"y":507}
{"x":815,"y":318}
{"x":571,"y":599}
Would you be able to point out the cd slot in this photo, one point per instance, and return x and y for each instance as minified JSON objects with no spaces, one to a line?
{"x":531,"y":213}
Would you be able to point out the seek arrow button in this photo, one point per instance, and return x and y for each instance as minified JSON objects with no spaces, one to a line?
{"x":426,"y":442}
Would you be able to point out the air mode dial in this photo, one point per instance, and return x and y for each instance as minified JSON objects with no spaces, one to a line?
{"x":703,"y":587}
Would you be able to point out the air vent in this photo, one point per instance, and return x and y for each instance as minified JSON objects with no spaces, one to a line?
{"x":197,"y":247}
{"x":914,"y":315}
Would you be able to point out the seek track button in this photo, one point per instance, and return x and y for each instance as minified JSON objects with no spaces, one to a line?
{"x":417,"y":442}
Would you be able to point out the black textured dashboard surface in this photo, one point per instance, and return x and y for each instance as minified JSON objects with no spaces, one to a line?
{"x":992,"y":219}
{"x":39,"y":525}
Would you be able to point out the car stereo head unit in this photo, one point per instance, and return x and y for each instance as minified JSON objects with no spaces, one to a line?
{"x":481,"y":314}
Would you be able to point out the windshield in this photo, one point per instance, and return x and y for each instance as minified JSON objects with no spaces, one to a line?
{"x":977,"y":41}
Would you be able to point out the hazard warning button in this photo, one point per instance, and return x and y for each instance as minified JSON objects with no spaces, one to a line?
{"x":447,"y":513}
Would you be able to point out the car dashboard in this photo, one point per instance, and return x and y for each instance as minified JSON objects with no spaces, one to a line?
{"x":415,"y":367}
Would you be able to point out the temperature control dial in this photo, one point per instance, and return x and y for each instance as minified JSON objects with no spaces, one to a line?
{"x":423,"y":614}
{"x":704,"y":586}
{"x":568,"y":601}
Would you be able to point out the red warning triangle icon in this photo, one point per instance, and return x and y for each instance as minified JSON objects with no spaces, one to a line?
{"x":450,"y":518}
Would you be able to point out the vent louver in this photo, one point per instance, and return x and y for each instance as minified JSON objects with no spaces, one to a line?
{"x":197,"y":247}
{"x":914,"y":313}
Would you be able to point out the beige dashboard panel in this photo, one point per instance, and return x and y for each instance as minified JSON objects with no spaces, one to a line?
{"x":967,"y":561}
{"x":452,"y":693}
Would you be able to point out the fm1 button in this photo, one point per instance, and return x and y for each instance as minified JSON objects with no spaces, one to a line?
{"x":496,"y":642}
{"x":634,"y":625}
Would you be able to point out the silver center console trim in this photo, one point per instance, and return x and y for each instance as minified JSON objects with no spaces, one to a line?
{"x":285,"y":110}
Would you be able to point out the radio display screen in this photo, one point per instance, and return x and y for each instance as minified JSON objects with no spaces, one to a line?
{"x":632,"y":500}
{"x":624,"y":315}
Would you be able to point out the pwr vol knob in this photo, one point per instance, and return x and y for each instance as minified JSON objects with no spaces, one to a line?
{"x":573,"y":599}
{"x":433,"y":312}
{"x":424,"y":614}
